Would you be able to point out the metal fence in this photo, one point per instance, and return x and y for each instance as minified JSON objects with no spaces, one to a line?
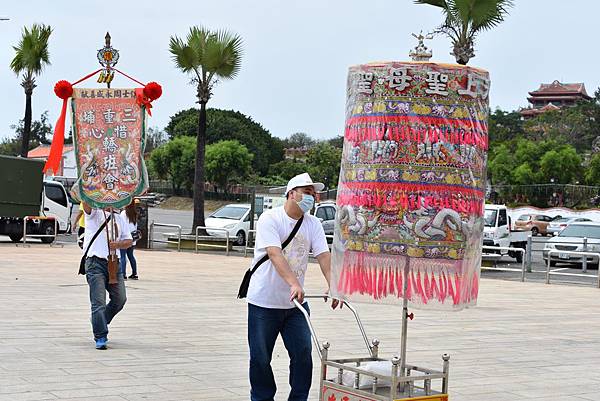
{"x":30,"y":235}
{"x":508,"y":249}
{"x":151,"y":239}
{"x":584,"y":254}
{"x":198,"y":236}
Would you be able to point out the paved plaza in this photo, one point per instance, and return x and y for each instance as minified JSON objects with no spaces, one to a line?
{"x":182,"y":334}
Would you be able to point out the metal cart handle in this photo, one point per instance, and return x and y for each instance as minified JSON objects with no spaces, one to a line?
{"x":312,"y":329}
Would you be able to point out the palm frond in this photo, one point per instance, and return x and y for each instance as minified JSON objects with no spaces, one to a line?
{"x":31,"y":54}
{"x":487,"y":14}
{"x":196,"y":39}
{"x":183,"y":56}
{"x":436,"y":3}
{"x":223,"y":54}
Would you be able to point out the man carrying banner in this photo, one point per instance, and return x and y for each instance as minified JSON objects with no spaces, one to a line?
{"x":96,"y":269}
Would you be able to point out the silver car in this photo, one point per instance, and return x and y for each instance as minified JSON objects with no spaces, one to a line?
{"x":560,"y":224}
{"x":571,"y":239}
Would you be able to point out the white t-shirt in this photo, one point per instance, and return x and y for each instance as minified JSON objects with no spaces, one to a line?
{"x":129,"y":226}
{"x":93,"y":221}
{"x":267,"y":288}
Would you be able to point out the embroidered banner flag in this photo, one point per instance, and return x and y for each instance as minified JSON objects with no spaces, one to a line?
{"x":412,"y":184}
{"x":109,"y":134}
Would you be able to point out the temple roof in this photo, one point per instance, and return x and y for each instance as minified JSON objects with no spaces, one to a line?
{"x":559,"y":89}
{"x":535,"y":112}
{"x":43,"y":151}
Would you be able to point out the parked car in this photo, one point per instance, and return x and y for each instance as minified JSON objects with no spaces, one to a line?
{"x":557,"y":225}
{"x":536,"y":223}
{"x":571,"y":239}
{"x":325,"y":211}
{"x":235,"y":218}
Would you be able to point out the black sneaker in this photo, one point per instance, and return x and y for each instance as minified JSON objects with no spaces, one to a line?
{"x":133,"y":277}
{"x":125,"y":278}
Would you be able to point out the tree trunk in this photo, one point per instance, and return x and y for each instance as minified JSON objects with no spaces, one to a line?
{"x":199,"y":176}
{"x":26,"y":124}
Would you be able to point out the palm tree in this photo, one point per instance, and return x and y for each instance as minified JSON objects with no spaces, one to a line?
{"x":30,"y":59}
{"x":467,"y":18}
{"x":207,"y":56}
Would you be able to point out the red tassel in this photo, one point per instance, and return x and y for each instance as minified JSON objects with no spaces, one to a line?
{"x":474,"y":287}
{"x":442,"y":279}
{"x":427,"y":283}
{"x":373,"y":273}
{"x":450,"y":289}
{"x":391,"y":281}
{"x":58,"y":140}
{"x":420,"y":287}
{"x":399,"y":285}
{"x":408,"y":294}
{"x":457,"y":289}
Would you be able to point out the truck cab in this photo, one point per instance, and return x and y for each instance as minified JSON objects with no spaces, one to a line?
{"x":25,"y":193}
{"x":56,"y":203}
{"x":497,"y":232}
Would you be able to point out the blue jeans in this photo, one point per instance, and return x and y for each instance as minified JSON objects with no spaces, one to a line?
{"x":96,"y":273}
{"x":123,"y":261}
{"x":264,"y":325}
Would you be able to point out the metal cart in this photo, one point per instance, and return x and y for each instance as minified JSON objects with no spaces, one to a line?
{"x":404,"y":382}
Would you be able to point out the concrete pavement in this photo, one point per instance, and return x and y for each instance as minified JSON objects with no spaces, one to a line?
{"x":182,"y":334}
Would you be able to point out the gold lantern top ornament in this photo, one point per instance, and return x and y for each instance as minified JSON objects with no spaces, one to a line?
{"x":107,"y":57}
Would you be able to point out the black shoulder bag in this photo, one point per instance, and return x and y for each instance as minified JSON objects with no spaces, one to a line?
{"x":243,"y":291}
{"x":82,"y":262}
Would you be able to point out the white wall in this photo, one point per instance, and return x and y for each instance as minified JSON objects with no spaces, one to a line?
{"x":69,"y":164}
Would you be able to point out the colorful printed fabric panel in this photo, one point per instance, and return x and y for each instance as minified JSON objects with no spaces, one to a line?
{"x":109,"y":132}
{"x":412,"y":184}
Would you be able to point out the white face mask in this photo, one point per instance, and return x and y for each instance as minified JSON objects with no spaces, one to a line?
{"x":307,"y":203}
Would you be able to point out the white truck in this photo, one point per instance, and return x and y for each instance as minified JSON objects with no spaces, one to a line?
{"x":25,"y":193}
{"x":498,"y":233}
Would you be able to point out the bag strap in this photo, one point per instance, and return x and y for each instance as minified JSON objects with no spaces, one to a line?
{"x":283,"y":245}
{"x":96,"y":236}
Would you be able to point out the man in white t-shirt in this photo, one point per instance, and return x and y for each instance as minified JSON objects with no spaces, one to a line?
{"x":277,"y":282}
{"x":96,"y":270}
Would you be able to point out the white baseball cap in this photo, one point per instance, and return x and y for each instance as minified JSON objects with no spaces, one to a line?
{"x":303,"y":180}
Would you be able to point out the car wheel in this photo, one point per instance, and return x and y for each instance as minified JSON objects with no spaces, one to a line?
{"x":47,"y":229}
{"x":519,"y":257}
{"x":15,"y":237}
{"x":240,"y":238}
{"x":535,"y":231}
{"x":552,"y":264}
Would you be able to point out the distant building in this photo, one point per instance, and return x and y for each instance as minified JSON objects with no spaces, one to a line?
{"x":68,"y":165}
{"x":554,"y":96}
{"x":296,"y":153}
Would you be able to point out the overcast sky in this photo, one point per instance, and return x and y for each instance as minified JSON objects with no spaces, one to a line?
{"x":296,"y":52}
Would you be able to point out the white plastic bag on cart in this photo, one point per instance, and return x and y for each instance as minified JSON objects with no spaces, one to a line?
{"x":378,"y":367}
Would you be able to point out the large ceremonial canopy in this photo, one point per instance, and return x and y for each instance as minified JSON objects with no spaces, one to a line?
{"x":412,"y":184}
